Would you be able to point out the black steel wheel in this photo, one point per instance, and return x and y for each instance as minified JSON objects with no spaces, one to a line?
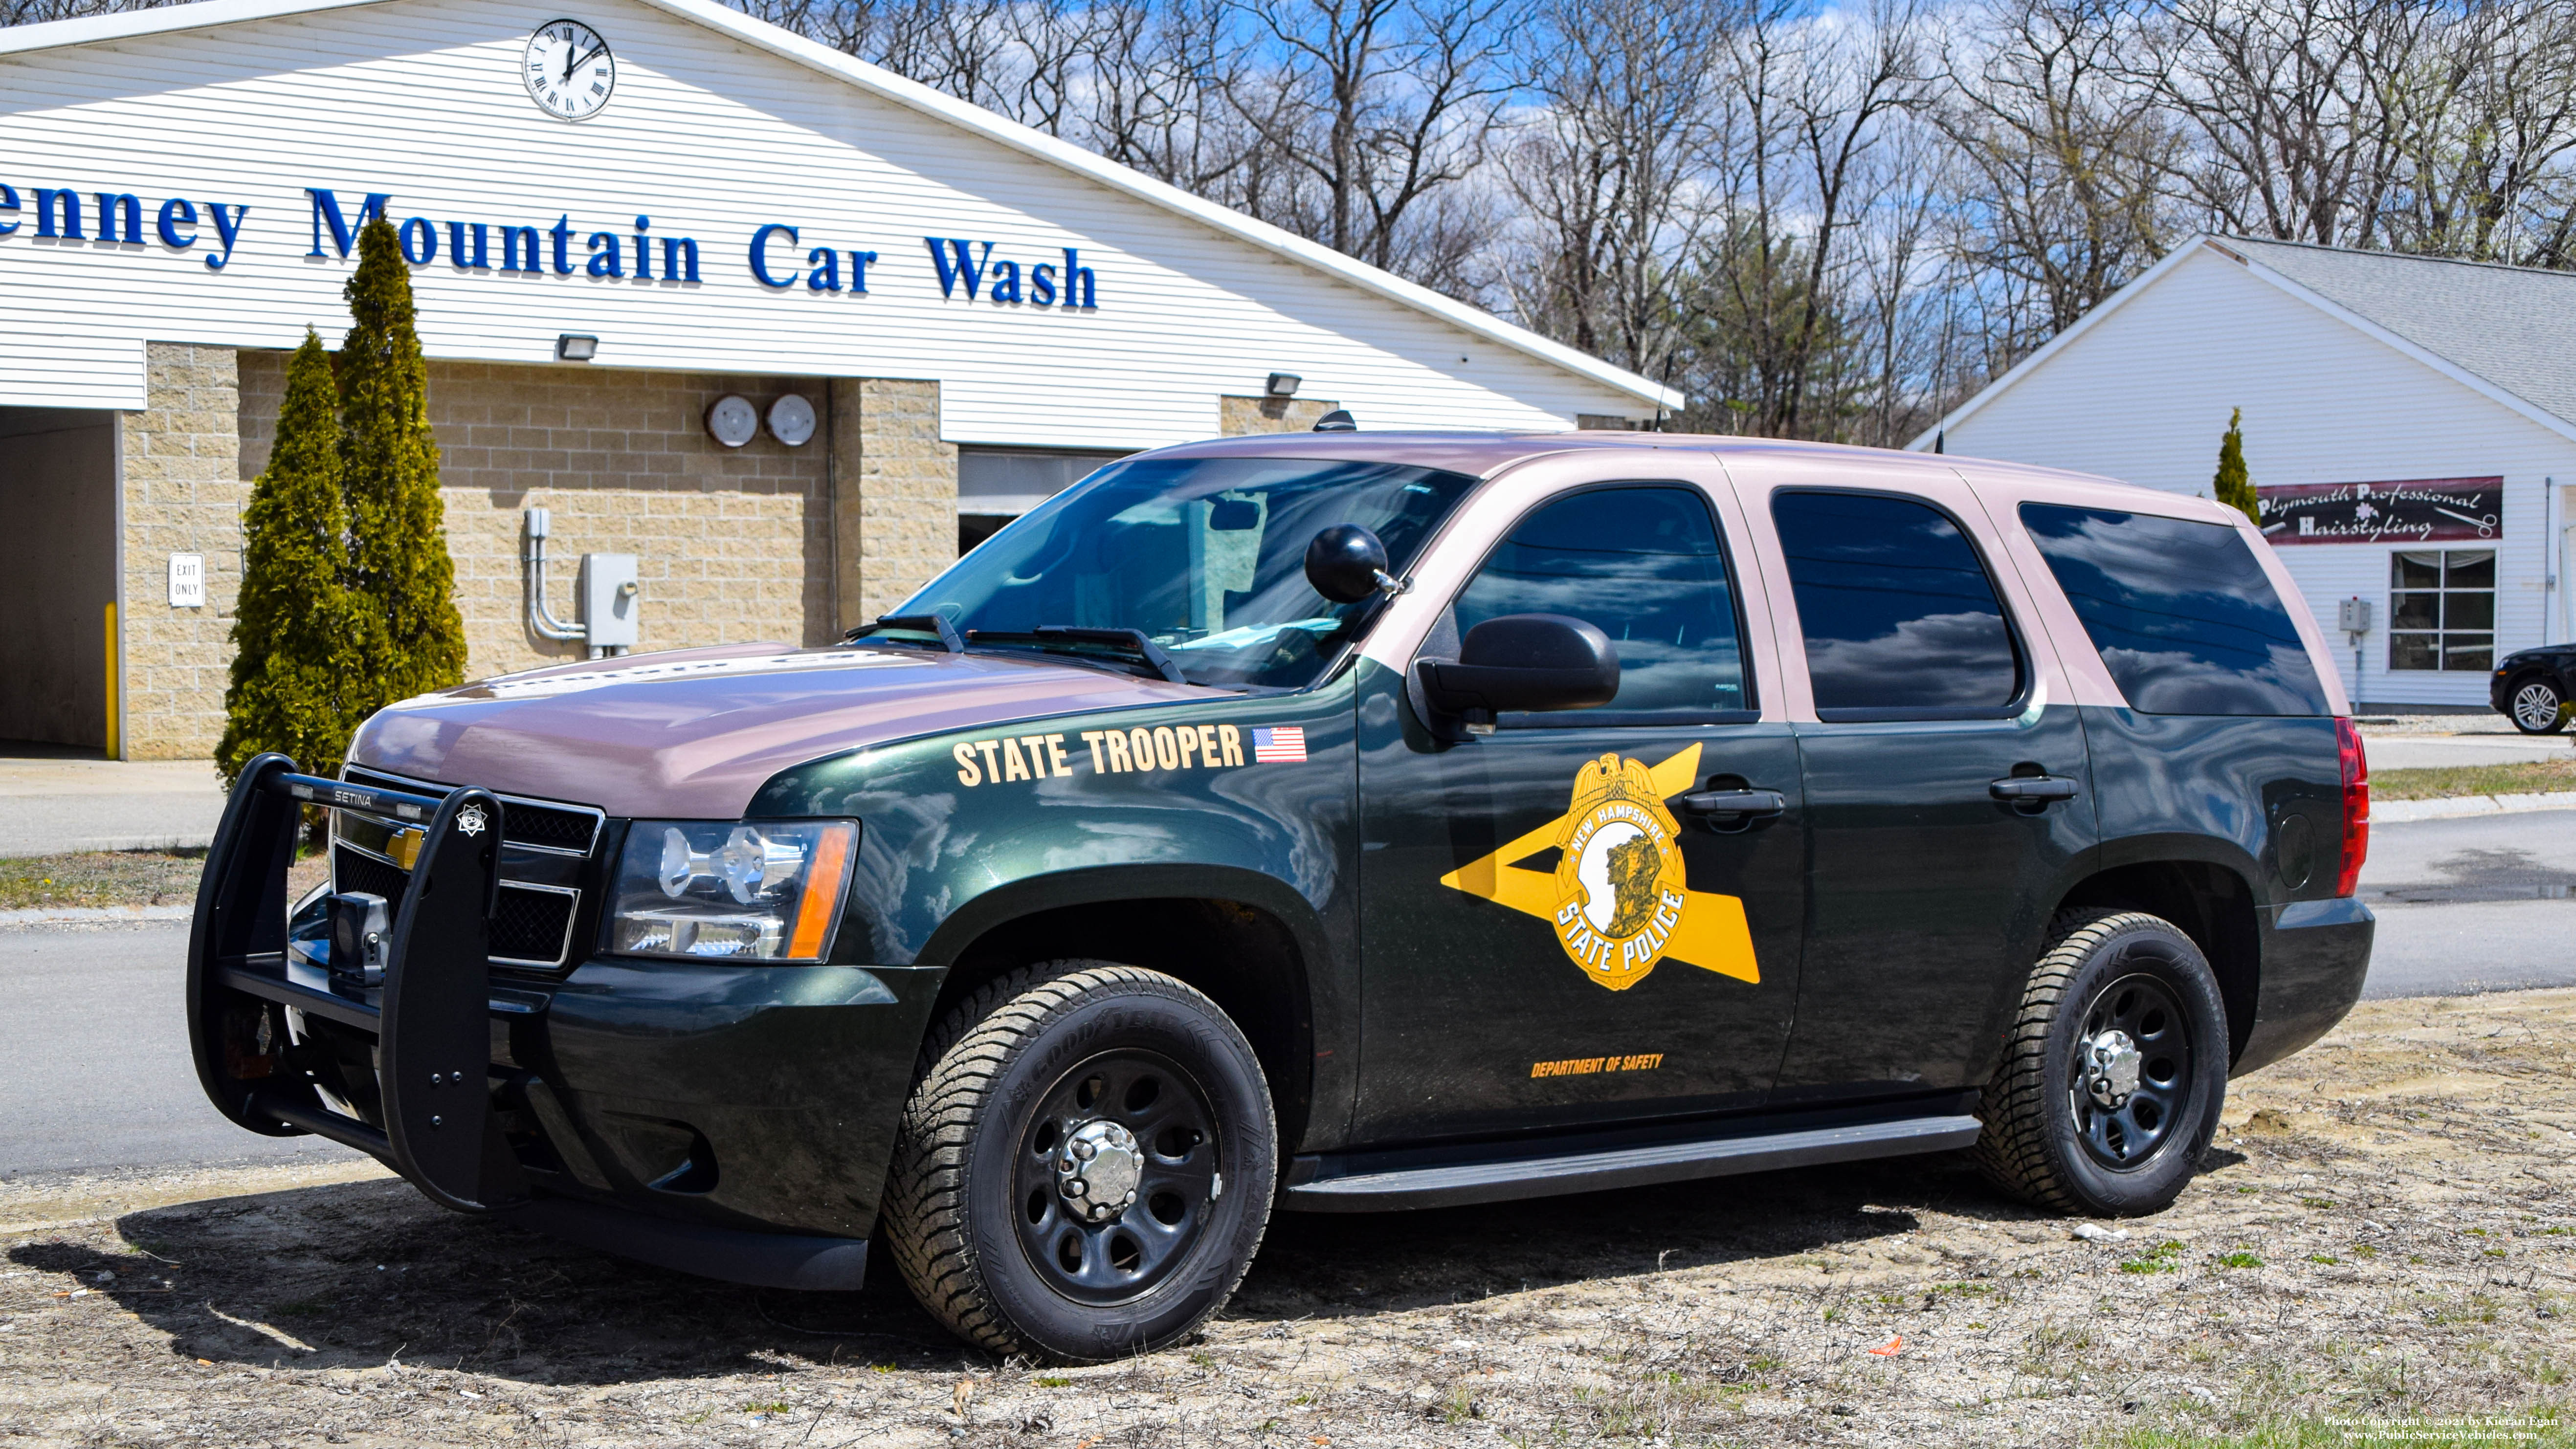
{"x":1117,"y":1176}
{"x":1084,"y":1169}
{"x":2537,"y":708}
{"x":2114,"y":1070}
{"x":2132,"y":1071}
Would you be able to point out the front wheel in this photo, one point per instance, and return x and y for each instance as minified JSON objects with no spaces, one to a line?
{"x":2537,"y":708}
{"x":2114,"y":1071}
{"x":1084,"y":1169}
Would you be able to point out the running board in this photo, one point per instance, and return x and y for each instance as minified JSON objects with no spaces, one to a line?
{"x":1374,"y":1182}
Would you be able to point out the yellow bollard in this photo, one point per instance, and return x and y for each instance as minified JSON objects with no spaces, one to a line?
{"x":111,"y":683}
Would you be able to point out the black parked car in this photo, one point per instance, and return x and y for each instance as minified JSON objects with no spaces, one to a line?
{"x":2531,"y":687}
{"x":1336,"y":823}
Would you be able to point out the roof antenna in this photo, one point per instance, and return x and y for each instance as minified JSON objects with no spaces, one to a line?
{"x":1339,"y":420}
{"x":1940,"y":436}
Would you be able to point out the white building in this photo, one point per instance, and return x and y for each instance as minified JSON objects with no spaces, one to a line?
{"x":974,"y":313}
{"x":2410,"y":422}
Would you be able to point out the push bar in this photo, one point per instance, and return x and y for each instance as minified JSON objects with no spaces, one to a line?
{"x":365,"y":799}
{"x":431,"y":1019}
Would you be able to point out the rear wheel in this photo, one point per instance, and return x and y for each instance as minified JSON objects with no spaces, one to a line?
{"x":2114,"y":1072}
{"x":2536,"y":707}
{"x":1084,"y":1170}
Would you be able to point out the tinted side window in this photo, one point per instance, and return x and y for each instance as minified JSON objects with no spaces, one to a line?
{"x":2182,"y":614}
{"x":1897,"y":609}
{"x":1643,"y":565}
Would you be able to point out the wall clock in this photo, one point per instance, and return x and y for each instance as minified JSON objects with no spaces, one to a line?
{"x":569,"y":72}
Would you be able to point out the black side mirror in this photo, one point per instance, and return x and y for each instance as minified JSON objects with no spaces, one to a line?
{"x":1523,"y":662}
{"x":1345,"y":563}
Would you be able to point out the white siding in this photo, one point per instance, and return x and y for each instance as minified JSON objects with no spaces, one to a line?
{"x":710,"y":138}
{"x":2144,"y":395}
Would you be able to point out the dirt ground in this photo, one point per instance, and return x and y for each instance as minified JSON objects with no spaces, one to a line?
{"x":2383,"y":1240}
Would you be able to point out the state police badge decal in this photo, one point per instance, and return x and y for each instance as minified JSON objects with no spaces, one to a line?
{"x":1620,"y":886}
{"x":1619,"y":900}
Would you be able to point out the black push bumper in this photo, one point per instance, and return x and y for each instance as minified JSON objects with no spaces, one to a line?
{"x":595,"y":1106}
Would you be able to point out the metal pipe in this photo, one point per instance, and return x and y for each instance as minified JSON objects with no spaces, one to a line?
{"x":533,"y":557}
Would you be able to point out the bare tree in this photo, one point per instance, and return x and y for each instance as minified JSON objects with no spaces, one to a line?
{"x":1813,"y":98}
{"x":1605,"y":170}
{"x":1382,"y":104}
{"x":2062,"y":156}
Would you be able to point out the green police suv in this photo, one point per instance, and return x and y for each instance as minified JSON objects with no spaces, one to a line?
{"x":1330,"y":823}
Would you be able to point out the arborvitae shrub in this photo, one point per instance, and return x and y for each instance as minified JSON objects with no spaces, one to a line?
{"x":2234,"y":487}
{"x":301,"y":662}
{"x":391,"y":466}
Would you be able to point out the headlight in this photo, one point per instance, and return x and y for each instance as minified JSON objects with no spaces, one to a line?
{"x":761,"y":891}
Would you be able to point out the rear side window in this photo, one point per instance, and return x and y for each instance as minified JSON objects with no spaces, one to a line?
{"x":2181,"y":611}
{"x":1643,"y":565}
{"x":1899,"y":615}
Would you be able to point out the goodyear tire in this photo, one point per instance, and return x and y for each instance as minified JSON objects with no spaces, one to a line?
{"x":1084,"y":1169}
{"x":2114,"y":1070}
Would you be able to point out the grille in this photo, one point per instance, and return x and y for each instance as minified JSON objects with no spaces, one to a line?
{"x":571,"y":829}
{"x":548,"y":828}
{"x":351,"y":871}
{"x":532,"y":926}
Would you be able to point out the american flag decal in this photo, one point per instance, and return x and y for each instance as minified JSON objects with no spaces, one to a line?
{"x":1285,"y":745}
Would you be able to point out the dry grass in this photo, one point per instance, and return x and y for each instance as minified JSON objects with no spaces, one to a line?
{"x":2446,"y":781}
{"x":2385,"y":1232}
{"x":120,"y":878}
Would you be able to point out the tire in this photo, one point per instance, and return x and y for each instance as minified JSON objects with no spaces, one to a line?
{"x":2049,"y":1139}
{"x":2536,"y":707}
{"x":1022,"y":1247}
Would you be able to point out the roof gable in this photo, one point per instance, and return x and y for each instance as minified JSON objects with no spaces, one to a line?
{"x":2513,"y":326}
{"x":2495,"y":330}
{"x":887,"y":86}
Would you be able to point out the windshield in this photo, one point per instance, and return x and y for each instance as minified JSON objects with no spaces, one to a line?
{"x":1205,"y":557}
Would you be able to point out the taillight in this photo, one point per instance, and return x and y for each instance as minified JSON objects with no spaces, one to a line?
{"x":2356,"y":806}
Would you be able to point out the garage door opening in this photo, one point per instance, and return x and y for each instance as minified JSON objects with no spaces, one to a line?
{"x":57,"y":596}
{"x":996,"y":485}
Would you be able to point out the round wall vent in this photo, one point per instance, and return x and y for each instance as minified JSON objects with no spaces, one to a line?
{"x":732,"y":420}
{"x":791,"y":420}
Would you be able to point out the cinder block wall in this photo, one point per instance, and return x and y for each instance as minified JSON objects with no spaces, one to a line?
{"x":897,"y":510}
{"x":1237,"y":416}
{"x":183,"y":493}
{"x":732,"y":544}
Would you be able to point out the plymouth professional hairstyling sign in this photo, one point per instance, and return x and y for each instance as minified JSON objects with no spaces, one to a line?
{"x":2413,"y":510}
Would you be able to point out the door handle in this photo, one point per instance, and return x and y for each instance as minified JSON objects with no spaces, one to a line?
{"x":2032,"y":789}
{"x":1718,"y":808}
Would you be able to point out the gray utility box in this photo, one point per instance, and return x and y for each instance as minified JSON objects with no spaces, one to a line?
{"x":609,"y":600}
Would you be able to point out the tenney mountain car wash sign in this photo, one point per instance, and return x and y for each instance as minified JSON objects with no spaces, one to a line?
{"x":2415,"y":510}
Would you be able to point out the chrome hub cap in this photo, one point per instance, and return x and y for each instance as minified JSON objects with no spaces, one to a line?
{"x":2111,"y":1065}
{"x":1097,"y":1169}
{"x":2130,"y":1082}
{"x":1116,"y":1177}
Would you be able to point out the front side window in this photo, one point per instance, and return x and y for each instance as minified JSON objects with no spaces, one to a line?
{"x":1899,"y":614}
{"x":2441,"y":610}
{"x":1205,"y":557}
{"x":1642,"y":564}
{"x":2181,"y":612}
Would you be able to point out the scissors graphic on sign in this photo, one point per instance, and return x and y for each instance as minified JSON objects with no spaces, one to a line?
{"x":2486,"y":526}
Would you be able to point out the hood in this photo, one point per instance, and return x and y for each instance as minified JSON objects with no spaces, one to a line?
{"x":694,"y":733}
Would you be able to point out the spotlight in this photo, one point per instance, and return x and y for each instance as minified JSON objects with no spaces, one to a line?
{"x":573,"y":347}
{"x":1283,"y":384}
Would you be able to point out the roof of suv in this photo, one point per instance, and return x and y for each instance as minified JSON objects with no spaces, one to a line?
{"x":1483,"y":454}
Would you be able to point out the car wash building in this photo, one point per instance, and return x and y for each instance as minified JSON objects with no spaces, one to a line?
{"x":2410,"y":424}
{"x":712,"y":311}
